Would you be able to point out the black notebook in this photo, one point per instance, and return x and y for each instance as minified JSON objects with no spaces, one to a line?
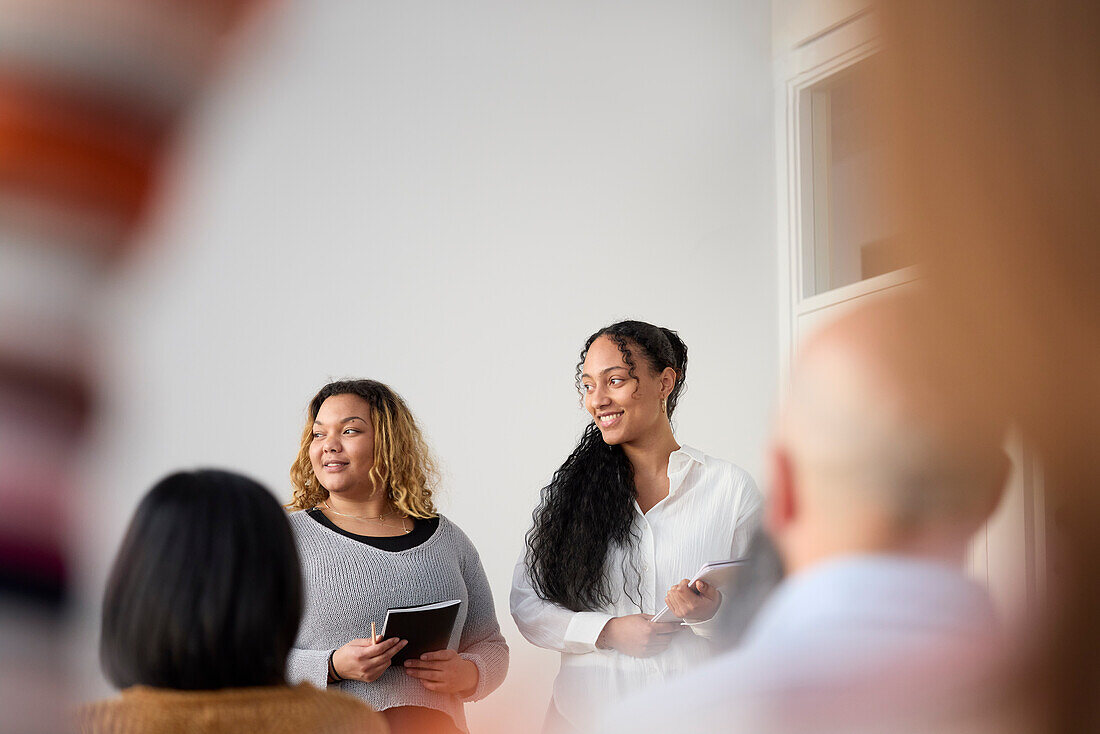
{"x":427,"y":628}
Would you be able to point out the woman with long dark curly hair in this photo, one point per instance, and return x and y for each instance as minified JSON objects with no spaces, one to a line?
{"x":629,"y":514}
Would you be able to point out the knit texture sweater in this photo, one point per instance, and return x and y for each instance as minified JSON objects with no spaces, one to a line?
{"x":349,"y":584}
{"x":300,"y":709}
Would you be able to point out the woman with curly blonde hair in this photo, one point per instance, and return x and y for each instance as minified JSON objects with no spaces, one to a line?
{"x":370,"y":540}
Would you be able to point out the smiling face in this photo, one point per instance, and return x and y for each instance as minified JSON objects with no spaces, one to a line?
{"x":342,"y":450}
{"x":625,"y":408}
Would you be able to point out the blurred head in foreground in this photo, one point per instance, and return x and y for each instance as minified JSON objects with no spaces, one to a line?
{"x":205,"y":592}
{"x":201,"y":610}
{"x":880,"y":446}
{"x":883,"y":467}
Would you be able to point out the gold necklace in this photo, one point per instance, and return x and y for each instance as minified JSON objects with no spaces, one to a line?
{"x":380,"y":519}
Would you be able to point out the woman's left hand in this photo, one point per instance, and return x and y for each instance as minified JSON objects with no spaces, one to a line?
{"x":691,"y":606}
{"x":444,"y":671}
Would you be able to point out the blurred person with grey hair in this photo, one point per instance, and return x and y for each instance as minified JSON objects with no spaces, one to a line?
{"x":882,"y":470}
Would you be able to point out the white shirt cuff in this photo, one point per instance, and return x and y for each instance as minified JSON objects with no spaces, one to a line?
{"x":703,"y":629}
{"x":583,"y":631}
{"x":708,"y":628}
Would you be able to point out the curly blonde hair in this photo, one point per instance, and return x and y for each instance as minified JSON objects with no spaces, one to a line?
{"x":403,"y":465}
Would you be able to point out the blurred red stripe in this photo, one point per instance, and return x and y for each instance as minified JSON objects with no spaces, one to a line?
{"x":75,"y":169}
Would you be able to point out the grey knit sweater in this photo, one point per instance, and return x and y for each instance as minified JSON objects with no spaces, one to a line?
{"x":348,"y":584}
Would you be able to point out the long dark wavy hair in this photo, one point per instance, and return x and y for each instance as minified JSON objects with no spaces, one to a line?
{"x":588,"y":506}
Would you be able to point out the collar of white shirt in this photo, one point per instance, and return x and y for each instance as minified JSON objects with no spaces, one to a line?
{"x":679,"y":463}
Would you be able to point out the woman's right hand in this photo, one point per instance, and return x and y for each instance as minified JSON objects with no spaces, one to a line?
{"x":365,"y":659}
{"x":635,"y":635}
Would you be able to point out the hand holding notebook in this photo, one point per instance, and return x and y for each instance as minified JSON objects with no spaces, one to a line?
{"x":428,"y":628}
{"x":444,"y":671}
{"x":717,"y":574}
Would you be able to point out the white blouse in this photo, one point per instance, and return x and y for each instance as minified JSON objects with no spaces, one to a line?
{"x":710,"y":513}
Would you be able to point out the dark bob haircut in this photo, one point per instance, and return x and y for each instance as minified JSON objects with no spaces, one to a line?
{"x":206,"y":590}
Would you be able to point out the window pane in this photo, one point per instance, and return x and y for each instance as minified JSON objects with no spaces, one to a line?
{"x":848,"y":237}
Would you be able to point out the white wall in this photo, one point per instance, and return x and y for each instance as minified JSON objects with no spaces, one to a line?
{"x":449,"y":197}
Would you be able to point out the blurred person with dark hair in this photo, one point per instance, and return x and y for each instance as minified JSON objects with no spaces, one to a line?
{"x":201,"y":609}
{"x":882,"y":470}
{"x":371,"y":539}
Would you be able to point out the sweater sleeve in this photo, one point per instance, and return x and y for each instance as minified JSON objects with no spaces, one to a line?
{"x":308,"y":665}
{"x":551,"y":625}
{"x":481,"y":642}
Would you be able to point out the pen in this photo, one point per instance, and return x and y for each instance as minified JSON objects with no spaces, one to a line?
{"x":373,"y":634}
